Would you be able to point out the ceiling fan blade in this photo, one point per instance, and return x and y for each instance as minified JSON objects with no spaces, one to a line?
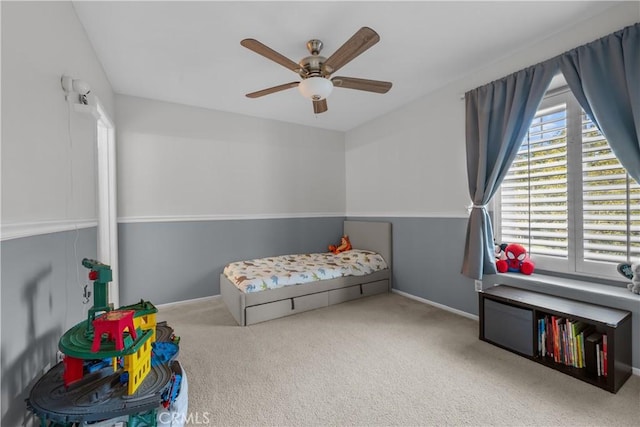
{"x":273,"y":89}
{"x":267,"y":52}
{"x":320,"y":106}
{"x":362,"y":40}
{"x":376,"y":86}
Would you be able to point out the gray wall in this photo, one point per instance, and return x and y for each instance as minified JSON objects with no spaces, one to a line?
{"x":175,"y":261}
{"x":48,"y":182}
{"x":427,"y":256}
{"x":42,"y":281}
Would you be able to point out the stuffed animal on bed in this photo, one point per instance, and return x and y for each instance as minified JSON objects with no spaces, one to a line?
{"x":632,"y":272}
{"x":517,"y":260}
{"x":345,"y":245}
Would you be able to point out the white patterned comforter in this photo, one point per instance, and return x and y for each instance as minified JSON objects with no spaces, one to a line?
{"x":276,"y":272}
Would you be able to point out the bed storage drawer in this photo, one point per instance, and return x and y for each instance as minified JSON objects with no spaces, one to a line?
{"x":273,"y":310}
{"x":336,"y":296}
{"x":379,"y":287}
{"x":310,"y":302}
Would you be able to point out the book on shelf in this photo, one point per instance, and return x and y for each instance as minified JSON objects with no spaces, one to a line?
{"x":577,"y":337}
{"x":595,"y":354}
{"x":555,"y":326}
{"x":604,"y":355}
{"x":542,"y":337}
{"x":562,"y":339}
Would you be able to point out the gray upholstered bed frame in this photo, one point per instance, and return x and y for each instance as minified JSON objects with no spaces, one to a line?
{"x":257,"y":307}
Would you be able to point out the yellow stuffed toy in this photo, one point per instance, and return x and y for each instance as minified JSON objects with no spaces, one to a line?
{"x":345,"y":245}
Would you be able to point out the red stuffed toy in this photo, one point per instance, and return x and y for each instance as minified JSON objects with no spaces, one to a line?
{"x":517,"y":260}
{"x":345,"y":245}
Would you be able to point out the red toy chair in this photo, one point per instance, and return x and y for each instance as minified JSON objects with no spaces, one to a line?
{"x":113,"y":323}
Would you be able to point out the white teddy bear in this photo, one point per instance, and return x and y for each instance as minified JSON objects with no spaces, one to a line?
{"x":632,"y":272}
{"x":634,"y":286}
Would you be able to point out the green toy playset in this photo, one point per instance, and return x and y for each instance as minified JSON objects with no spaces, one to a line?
{"x":118,"y":365}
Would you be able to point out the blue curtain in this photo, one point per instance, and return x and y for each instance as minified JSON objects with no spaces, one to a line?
{"x":605,"y":78}
{"x":498,"y":116}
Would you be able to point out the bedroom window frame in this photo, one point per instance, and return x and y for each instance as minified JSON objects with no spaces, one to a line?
{"x":575,"y":263}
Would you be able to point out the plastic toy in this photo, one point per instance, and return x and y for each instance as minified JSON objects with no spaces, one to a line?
{"x":345,"y":245}
{"x":498,"y":251}
{"x":110,"y":371}
{"x":632,"y":272}
{"x":115,"y":324}
{"x":517,"y":260}
{"x":101,"y":275}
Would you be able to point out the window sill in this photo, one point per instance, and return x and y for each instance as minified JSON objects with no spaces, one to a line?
{"x":582,"y":290}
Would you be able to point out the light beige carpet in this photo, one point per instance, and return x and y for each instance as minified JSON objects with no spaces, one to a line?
{"x":381,"y":360}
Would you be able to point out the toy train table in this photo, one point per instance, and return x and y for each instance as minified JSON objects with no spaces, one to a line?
{"x":118,"y":366}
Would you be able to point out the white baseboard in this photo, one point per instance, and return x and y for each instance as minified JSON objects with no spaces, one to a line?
{"x":435,"y":304}
{"x":173,"y":304}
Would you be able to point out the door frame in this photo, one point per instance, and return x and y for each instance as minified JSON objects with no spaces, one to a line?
{"x":107,"y":199}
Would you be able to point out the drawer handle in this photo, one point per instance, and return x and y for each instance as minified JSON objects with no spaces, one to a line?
{"x":293,"y":304}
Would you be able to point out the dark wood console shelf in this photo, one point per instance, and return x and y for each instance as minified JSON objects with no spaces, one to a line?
{"x":512,"y":318}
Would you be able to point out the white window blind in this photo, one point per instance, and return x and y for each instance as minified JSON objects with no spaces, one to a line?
{"x":610,"y":202}
{"x":567,"y":198}
{"x":534,"y":200}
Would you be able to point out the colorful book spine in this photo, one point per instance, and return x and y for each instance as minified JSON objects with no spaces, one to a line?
{"x":580,"y":347}
{"x":556,"y":339}
{"x":541,"y":336}
{"x":545,"y":328}
{"x":564,"y":339}
{"x":604,"y":355}
{"x":549,"y":345}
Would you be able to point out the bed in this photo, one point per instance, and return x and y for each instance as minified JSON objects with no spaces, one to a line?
{"x":255,"y":304}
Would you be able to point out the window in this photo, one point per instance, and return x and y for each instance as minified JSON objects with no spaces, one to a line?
{"x":566,"y":197}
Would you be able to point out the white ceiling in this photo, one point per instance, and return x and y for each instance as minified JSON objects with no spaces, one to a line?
{"x":190,"y":53}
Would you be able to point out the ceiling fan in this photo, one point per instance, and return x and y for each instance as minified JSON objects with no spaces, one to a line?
{"x":316,"y":70}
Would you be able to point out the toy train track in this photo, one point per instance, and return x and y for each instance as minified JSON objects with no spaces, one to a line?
{"x":101,"y":394}
{"x":164,"y":332}
{"x":96,"y":397}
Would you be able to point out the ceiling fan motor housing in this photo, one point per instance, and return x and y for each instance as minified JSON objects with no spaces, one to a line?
{"x":312,"y":66}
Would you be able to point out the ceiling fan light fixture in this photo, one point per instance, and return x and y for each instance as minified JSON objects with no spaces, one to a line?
{"x":315,"y":88}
